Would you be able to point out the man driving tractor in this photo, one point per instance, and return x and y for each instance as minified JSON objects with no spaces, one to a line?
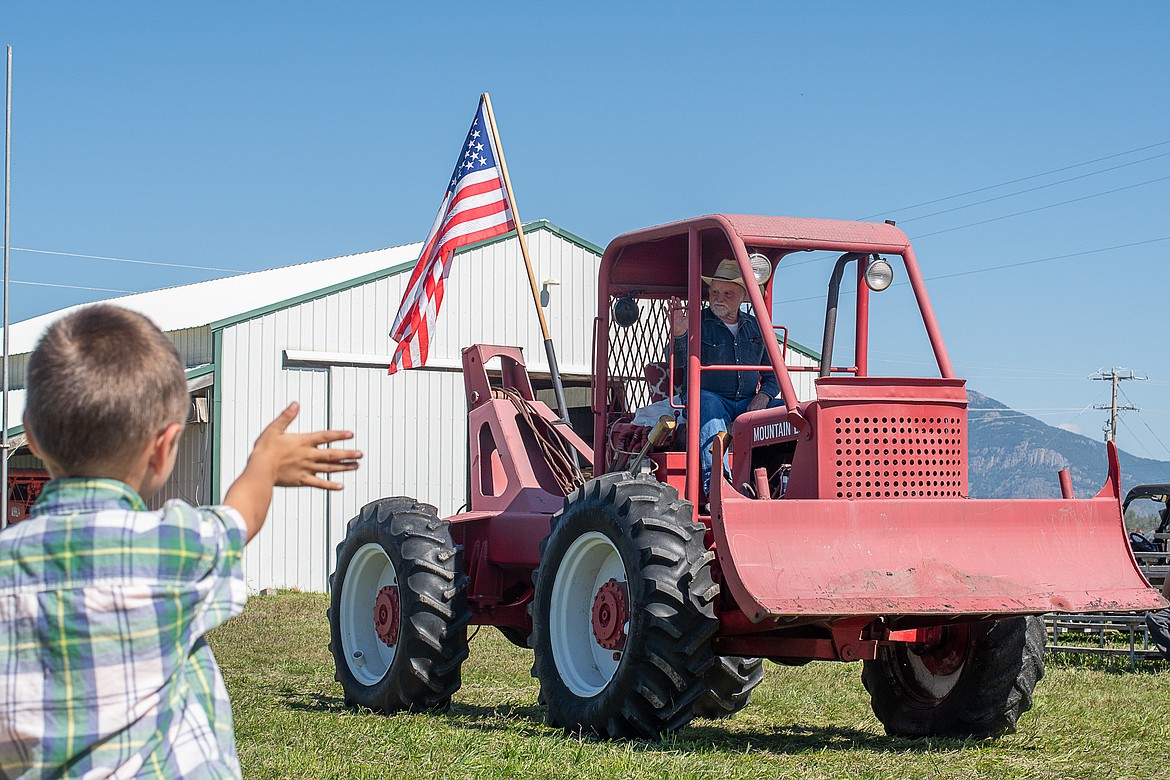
{"x":731,"y":336}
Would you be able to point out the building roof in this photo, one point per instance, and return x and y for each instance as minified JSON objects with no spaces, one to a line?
{"x":201,"y":303}
{"x":232,"y":298}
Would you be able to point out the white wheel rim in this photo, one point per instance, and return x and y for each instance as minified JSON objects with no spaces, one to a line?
{"x":938,"y":686}
{"x":366,"y":655}
{"x":584,"y":665}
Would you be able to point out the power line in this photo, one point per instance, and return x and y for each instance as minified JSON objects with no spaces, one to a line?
{"x":1043,"y":208}
{"x":1016,"y":181}
{"x":788,"y":265}
{"x":70,"y":286}
{"x":1037,"y":410}
{"x":1033,"y":189}
{"x":1000,"y":267}
{"x":1047,"y":259}
{"x":1151,"y":430}
{"x":876,"y":359}
{"x":1135,"y":439}
{"x":1057,"y":373}
{"x":1148,"y":428}
{"x":126,"y":260}
{"x":820,"y":258}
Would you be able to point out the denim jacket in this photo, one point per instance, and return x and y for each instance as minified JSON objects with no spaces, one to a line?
{"x":745,"y":348}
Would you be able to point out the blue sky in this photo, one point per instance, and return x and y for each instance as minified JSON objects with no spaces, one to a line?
{"x":249,"y":135}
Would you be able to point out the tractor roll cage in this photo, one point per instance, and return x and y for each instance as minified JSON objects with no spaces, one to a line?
{"x":648,"y":261}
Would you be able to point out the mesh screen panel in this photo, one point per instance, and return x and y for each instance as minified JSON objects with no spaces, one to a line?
{"x":630,"y":349}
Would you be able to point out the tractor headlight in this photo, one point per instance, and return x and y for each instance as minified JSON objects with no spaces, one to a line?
{"x":879,"y":275}
{"x":761,"y":267}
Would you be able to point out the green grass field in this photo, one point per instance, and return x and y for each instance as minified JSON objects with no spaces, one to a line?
{"x":1092,"y":719}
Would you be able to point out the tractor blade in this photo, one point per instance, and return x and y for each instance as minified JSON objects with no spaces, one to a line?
{"x":924,"y":556}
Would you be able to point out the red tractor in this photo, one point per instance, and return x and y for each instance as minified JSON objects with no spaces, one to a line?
{"x":845,"y":532}
{"x":24,"y":488}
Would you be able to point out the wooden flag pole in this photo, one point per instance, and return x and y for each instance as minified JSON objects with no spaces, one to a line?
{"x":558,"y":388}
{"x":499,"y":151}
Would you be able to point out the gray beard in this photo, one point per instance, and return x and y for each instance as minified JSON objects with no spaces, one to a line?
{"x":723,"y":312}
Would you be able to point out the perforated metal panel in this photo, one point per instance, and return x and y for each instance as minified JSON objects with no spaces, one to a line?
{"x":900,"y":456}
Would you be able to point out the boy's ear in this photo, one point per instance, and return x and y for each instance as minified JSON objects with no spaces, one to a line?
{"x":31,"y":442}
{"x":164,"y":445}
{"x":28,"y":435}
{"x":172,"y":433}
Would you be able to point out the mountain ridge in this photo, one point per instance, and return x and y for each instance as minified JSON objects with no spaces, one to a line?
{"x":1013,"y":455}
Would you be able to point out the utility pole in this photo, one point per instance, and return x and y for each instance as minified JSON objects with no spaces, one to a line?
{"x":1115,"y":375}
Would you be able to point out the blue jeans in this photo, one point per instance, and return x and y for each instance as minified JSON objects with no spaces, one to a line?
{"x":716,"y":414}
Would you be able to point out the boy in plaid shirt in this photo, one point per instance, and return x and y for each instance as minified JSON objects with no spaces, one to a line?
{"x":104,"y":605}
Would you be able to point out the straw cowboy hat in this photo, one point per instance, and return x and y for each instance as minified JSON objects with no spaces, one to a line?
{"x":728,"y":271}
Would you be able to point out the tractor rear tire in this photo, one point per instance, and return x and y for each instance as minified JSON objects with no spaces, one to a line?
{"x":623,"y":610}
{"x":729,"y":683}
{"x":398,"y":610}
{"x":976,"y":683}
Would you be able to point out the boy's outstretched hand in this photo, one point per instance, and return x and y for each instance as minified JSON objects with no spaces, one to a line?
{"x":287,"y":460}
{"x":297,"y":458}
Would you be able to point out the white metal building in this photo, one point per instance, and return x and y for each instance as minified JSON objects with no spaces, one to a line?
{"x":317,"y":333}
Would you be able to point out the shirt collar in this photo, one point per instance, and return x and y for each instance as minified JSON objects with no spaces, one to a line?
{"x":86,"y":494}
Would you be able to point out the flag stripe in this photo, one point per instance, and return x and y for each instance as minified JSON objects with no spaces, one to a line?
{"x":473,"y":225}
{"x":420,"y":267}
{"x":467,"y":230}
{"x":495,"y":198}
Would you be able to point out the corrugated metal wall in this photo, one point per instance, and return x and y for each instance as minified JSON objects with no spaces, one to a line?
{"x":25,"y":461}
{"x":415,"y":440}
{"x":18,"y":370}
{"x":191,"y":478}
{"x":802,"y":381}
{"x":411,"y":426}
{"x":290,"y":551}
{"x":194,"y":345}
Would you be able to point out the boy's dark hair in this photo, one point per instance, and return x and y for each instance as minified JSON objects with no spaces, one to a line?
{"x":102,"y":382}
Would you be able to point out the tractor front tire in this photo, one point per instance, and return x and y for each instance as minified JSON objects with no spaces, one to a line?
{"x":976,"y":682}
{"x":729,"y":686}
{"x":623,"y":610}
{"x":398,"y":610}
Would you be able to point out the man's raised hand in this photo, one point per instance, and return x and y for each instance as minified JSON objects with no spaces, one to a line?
{"x":679,"y":322}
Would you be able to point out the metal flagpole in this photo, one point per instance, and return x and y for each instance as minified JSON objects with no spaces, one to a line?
{"x":7,"y":215}
{"x":558,"y":388}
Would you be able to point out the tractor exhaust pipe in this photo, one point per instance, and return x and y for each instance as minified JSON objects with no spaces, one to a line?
{"x":831,"y":311}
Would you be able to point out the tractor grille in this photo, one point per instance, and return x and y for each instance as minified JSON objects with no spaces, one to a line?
{"x":900,"y":456}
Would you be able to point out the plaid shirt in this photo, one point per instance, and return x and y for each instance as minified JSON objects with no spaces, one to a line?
{"x":104,"y":669}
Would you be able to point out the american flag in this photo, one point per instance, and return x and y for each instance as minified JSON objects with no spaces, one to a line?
{"x":474,"y":208}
